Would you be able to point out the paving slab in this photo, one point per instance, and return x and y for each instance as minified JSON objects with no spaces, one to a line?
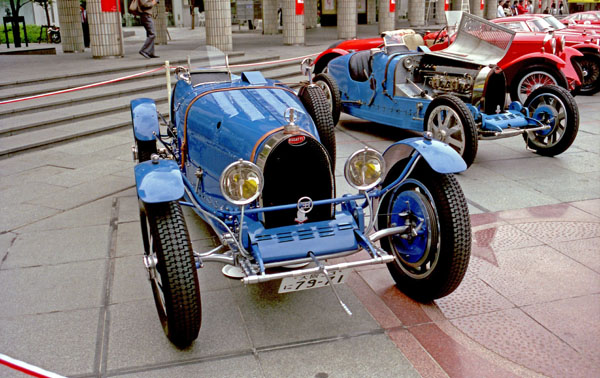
{"x":528,"y":306}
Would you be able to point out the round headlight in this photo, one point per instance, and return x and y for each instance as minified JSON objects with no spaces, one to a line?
{"x":241,"y":182}
{"x":364,"y":169}
{"x":553,"y":44}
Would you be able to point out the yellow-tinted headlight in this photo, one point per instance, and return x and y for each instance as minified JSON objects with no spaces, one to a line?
{"x":241,"y":182}
{"x":364,"y":169}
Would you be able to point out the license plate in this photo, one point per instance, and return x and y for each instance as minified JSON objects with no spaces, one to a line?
{"x":311,"y":281}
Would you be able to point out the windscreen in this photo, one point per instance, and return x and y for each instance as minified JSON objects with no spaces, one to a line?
{"x":478,"y":41}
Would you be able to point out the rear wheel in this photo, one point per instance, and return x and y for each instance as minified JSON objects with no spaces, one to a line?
{"x":316,"y":105}
{"x":432,"y":256}
{"x":555,"y":107}
{"x":173,"y":273}
{"x":332,"y":93}
{"x":530,"y":79}
{"x":590,"y":67}
{"x":451,"y":122}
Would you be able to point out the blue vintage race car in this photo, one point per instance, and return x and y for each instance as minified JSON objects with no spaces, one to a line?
{"x":458,"y":94}
{"x":255,"y":160}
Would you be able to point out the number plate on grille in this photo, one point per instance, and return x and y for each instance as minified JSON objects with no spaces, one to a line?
{"x":312,"y":281}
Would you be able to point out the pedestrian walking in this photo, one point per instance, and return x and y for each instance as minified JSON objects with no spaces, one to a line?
{"x":143,"y":9}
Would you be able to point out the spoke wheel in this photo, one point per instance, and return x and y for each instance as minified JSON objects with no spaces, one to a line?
{"x":590,"y":67}
{"x":433,"y":254}
{"x":450,"y":121}
{"x":530,"y":79}
{"x":555,"y":107}
{"x":172,"y":269}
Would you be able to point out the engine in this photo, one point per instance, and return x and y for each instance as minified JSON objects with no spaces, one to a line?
{"x":446,"y":79}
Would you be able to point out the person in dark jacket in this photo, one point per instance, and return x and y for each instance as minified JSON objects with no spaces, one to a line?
{"x":147,"y":50}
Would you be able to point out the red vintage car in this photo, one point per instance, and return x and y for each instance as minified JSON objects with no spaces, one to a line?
{"x":588,"y":43}
{"x":582,"y":18}
{"x":533,"y":59}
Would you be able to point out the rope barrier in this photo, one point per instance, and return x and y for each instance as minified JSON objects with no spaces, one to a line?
{"x":26,"y":368}
{"x":141,"y":74}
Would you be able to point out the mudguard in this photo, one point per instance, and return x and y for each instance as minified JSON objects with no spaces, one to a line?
{"x":144,"y":119}
{"x":325,"y":57}
{"x":441,"y":157}
{"x":158,"y":181}
{"x":560,"y":63}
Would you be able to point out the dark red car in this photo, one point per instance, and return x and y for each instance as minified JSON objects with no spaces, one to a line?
{"x":586,"y":42}
{"x":582,"y":18}
{"x":533,"y":59}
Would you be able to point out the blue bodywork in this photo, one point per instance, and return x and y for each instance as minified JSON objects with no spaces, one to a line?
{"x":380,"y":100}
{"x":217,"y":122}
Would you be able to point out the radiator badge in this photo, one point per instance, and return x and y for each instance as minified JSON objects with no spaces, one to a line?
{"x":296,"y":140}
{"x":305,"y":205}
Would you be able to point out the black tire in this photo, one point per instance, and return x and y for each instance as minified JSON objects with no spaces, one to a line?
{"x":316,"y":105}
{"x":529,"y":79}
{"x":461,"y":131}
{"x":145,"y":149}
{"x":332,"y":93}
{"x":553,"y":106}
{"x":440,"y":252}
{"x":590,"y":66}
{"x":175,"y":287}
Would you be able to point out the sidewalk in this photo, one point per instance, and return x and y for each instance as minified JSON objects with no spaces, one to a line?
{"x":76,"y":301}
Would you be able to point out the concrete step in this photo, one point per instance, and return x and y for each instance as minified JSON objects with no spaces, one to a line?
{"x":58,"y":120}
{"x":14,"y":90}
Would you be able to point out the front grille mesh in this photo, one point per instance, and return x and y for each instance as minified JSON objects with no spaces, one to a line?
{"x":295,"y":171}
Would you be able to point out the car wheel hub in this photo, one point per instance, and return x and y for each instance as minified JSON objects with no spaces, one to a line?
{"x":413,"y":245}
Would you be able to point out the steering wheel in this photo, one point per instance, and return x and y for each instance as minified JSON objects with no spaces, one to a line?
{"x":438,"y":34}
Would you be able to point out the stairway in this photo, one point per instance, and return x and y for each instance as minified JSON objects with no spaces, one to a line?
{"x":47,"y":121}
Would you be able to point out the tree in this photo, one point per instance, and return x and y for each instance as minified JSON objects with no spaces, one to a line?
{"x":15,"y":7}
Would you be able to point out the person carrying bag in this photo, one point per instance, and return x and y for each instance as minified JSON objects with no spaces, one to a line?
{"x":143,"y":9}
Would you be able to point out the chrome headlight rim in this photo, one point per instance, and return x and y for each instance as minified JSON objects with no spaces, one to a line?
{"x":365,"y":155}
{"x":249,"y":172}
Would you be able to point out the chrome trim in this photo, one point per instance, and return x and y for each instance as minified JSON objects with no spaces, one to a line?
{"x":296,"y":273}
{"x":479,"y":84}
{"x":275,"y":140}
{"x":509,"y":133}
{"x":387,"y":232}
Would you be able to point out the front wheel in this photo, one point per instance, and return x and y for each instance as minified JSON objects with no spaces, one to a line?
{"x":590,"y":67}
{"x":432,"y":256}
{"x":332,"y":93}
{"x":528,"y":80}
{"x":555,"y":107}
{"x":172,"y":269}
{"x":450,"y":121}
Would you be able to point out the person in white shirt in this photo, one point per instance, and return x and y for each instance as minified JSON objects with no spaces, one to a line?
{"x":500,"y":11}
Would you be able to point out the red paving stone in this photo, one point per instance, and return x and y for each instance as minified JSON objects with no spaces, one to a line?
{"x":528,"y":305}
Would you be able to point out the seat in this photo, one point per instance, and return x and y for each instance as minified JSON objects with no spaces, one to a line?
{"x":360,"y":65}
{"x":413,"y":41}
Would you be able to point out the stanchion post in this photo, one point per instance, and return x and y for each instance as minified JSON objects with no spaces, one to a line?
{"x":168,"y":73}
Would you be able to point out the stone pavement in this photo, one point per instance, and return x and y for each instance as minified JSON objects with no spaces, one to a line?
{"x":75,"y":298}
